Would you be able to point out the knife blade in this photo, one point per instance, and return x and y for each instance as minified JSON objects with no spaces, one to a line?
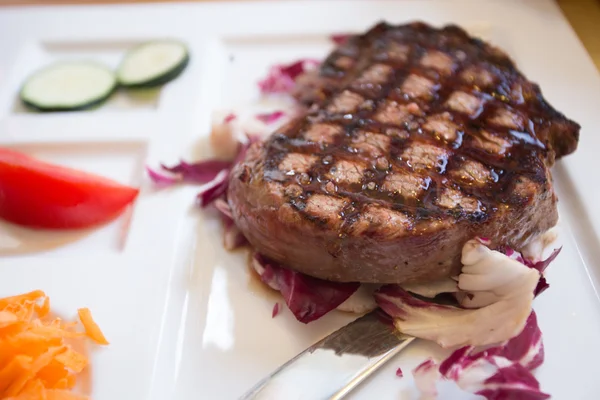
{"x":335,"y":365}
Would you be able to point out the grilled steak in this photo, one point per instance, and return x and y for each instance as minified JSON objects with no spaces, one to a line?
{"x":416,"y":140}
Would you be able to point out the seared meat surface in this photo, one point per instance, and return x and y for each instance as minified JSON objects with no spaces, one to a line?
{"x":416,"y":140}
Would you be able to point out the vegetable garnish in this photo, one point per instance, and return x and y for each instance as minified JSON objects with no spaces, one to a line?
{"x":339,"y":38}
{"x":276,"y":309}
{"x":43,"y":195}
{"x":68,"y":86}
{"x":200,"y":172}
{"x":162,"y":178}
{"x":307,"y":298}
{"x":539,"y":265}
{"x":229,"y":117}
{"x":91,"y":328}
{"x":79,"y":85}
{"x":217,"y":189}
{"x":223,"y":207}
{"x":495,"y":297}
{"x":500,"y":372}
{"x":232,"y":236}
{"x":38,"y":359}
{"x":269,"y":118}
{"x":223,"y":138}
{"x":153,"y":63}
{"x":213,"y":173}
{"x":282,"y":78}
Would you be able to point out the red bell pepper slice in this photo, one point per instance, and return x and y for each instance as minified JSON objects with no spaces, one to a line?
{"x":42,"y":195}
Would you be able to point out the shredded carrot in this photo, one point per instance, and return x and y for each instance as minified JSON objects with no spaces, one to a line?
{"x":72,"y":360}
{"x":19,"y":299}
{"x":11,"y":373}
{"x":7,"y":319}
{"x":91,"y":328}
{"x":58,"y":394}
{"x":37,"y":357}
{"x":34,"y":390}
{"x":53,"y":373}
{"x":44,"y":309}
{"x":39,"y":363}
{"x":66,"y":383}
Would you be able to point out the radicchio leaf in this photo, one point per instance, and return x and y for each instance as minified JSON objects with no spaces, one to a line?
{"x":198,"y":172}
{"x":501,"y":294}
{"x":426,"y":375}
{"x":223,"y":137}
{"x":497,"y":373}
{"x":512,"y":383}
{"x":201,"y":172}
{"x":361,"y":301}
{"x":490,"y":276}
{"x":222,"y":206}
{"x":484,"y":240}
{"x":233,"y":238}
{"x":307,"y":298}
{"x":339,"y":38}
{"x":251,"y":139}
{"x":161,"y":178}
{"x":229,"y":118}
{"x":541,"y":286}
{"x":215,"y":173}
{"x":540,"y":266}
{"x":275,"y":311}
{"x":432,"y":289}
{"x":540,"y":247}
{"x":215,"y":191}
{"x":294,"y":70}
{"x":221,"y":182}
{"x":527,"y":348}
{"x":282,"y":78}
{"x":269,"y":118}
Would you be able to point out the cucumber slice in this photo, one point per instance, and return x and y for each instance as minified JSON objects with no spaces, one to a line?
{"x":153,"y":63}
{"x":68,"y":86}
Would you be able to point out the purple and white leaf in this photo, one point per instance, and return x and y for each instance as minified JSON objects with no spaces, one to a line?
{"x":307,"y":298}
{"x":498,"y":373}
{"x":361,"y":301}
{"x":339,"y":38}
{"x":502,"y":288}
{"x":270,"y":117}
{"x":214,"y":190}
{"x":281,"y":78}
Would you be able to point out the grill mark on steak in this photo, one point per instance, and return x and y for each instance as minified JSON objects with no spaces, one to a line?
{"x":398,"y":92}
{"x":434,"y":126}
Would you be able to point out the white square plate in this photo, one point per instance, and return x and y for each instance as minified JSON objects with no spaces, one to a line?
{"x":186,"y":319}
